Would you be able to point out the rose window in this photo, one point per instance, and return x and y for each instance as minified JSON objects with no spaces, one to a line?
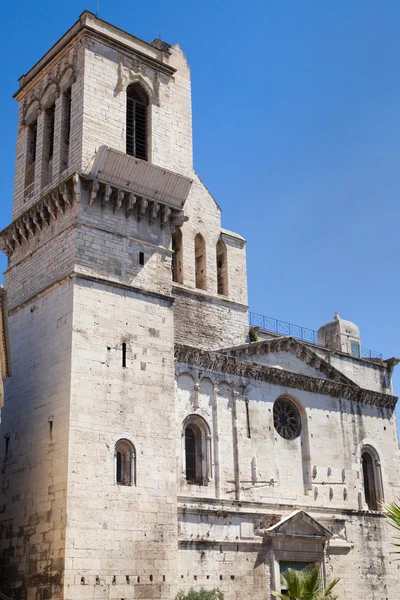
{"x":287,"y":420}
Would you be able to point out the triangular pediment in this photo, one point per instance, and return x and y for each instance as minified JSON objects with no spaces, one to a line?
{"x":288,"y":354}
{"x":299,"y":524}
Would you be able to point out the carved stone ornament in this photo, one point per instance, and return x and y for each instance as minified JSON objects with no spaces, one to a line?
{"x":62,"y":74}
{"x":36,"y":218}
{"x":224,"y":363}
{"x":136,"y":72}
{"x":132,"y":204}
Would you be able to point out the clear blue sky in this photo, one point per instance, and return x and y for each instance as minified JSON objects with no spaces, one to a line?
{"x":296,"y":134}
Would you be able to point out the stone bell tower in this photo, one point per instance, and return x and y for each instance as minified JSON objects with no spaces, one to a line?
{"x":103,"y":171}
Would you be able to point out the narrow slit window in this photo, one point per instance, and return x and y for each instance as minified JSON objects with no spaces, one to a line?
{"x":123,"y":354}
{"x":222,"y":270}
{"x":50,"y":118}
{"x":65,"y":127}
{"x":248,"y":418}
{"x":136,"y":121}
{"x":141,"y":259}
{"x":31,"y":155}
{"x":200,"y":262}
{"x":32,"y":142}
{"x":177,"y":257}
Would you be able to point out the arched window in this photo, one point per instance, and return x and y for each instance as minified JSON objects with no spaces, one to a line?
{"x":177,"y":257}
{"x":125,"y":463}
{"x":200,"y":262}
{"x":136,"y":121}
{"x":197,"y":450}
{"x":372,"y":478}
{"x":222,"y":269}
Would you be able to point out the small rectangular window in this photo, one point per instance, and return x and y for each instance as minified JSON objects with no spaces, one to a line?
{"x":123,"y":354}
{"x":141,"y":258}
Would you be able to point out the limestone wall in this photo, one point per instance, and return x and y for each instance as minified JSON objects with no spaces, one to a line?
{"x":35,"y":420}
{"x":121,"y":540}
{"x":322,"y":467}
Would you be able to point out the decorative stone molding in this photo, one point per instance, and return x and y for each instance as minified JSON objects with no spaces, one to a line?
{"x":58,"y":78}
{"x":295,"y":347}
{"x":224,"y":363}
{"x":122,"y":199}
{"x":132,"y":70}
{"x":49,"y":208}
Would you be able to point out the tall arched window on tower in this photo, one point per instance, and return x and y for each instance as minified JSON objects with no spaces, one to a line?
{"x":371,"y":468}
{"x":200,"y":262}
{"x":197,"y":450}
{"x":177,"y":257}
{"x":125,"y":463}
{"x":222,"y":269}
{"x":136,"y":121}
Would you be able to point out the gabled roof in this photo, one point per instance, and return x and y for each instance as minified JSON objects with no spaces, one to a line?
{"x":294,"y":346}
{"x":301,"y":525}
{"x":223,"y":361}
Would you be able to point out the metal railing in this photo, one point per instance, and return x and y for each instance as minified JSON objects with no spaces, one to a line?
{"x":301,"y":333}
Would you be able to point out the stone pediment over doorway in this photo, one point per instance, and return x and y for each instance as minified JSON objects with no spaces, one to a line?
{"x":289,"y":354}
{"x":299,"y":524}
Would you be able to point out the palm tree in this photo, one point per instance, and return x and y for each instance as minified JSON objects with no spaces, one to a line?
{"x":306,"y":585}
{"x":392,"y":512}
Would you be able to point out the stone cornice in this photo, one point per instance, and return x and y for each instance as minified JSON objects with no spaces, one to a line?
{"x":295,"y":347}
{"x":55,"y":203}
{"x":90,"y":25}
{"x":39,"y":216}
{"x":216,"y":361}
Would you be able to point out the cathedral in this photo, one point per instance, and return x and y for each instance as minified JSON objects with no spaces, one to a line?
{"x":151,"y":440}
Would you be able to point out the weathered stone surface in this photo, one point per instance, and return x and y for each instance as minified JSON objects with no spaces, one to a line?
{"x":106,"y":348}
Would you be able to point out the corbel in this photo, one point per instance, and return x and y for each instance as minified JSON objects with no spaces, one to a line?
{"x":49,"y":205}
{"x":118,"y":200}
{"x":42,"y":211}
{"x":165,"y":215}
{"x":143,"y":204}
{"x":14,"y":235}
{"x":63,"y":190}
{"x":77,"y":187}
{"x":154,"y":211}
{"x":28,"y":224}
{"x":93,"y":191}
{"x":9,"y":246}
{"x":106,"y":196}
{"x":56,"y":199}
{"x":34,"y":214}
{"x":21,"y":229}
{"x":130,"y":203}
{"x":178,"y":219}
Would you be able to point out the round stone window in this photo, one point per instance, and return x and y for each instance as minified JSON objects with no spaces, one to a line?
{"x":287,"y":421}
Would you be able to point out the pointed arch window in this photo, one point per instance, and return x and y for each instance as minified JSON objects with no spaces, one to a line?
{"x":125,"y":463}
{"x":372,"y":478}
{"x":136,"y":121}
{"x":200,"y":262}
{"x":197,"y":450}
{"x":177,"y":257}
{"x":222,"y":269}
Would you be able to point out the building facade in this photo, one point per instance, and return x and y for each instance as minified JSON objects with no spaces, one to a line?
{"x":152,"y":446}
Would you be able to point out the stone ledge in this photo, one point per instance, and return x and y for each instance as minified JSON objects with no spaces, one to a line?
{"x":216,"y":361}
